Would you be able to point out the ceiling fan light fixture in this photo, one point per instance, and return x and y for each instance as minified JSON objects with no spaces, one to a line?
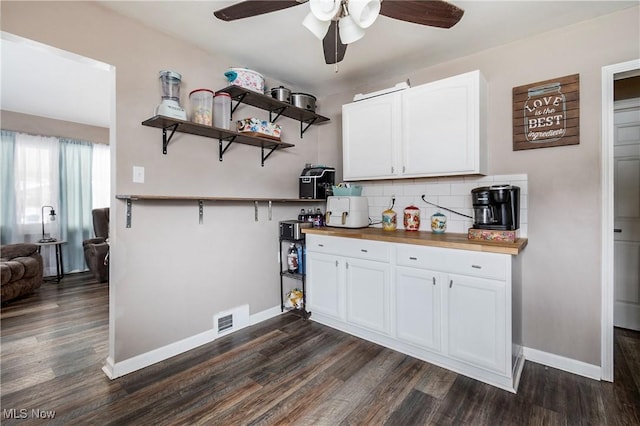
{"x":349,"y":31}
{"x":364,"y":12}
{"x":317,"y":27}
{"x":325,"y":10}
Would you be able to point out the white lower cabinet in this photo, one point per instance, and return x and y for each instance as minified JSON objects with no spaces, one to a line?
{"x":326,"y":295}
{"x":367,"y":284}
{"x":476,"y":321}
{"x":452,"y":308}
{"x":417,"y":307}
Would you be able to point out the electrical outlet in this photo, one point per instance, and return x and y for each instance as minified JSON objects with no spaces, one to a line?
{"x":138,"y":174}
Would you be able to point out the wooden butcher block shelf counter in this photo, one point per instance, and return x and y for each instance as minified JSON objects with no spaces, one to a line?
{"x":423,"y":238}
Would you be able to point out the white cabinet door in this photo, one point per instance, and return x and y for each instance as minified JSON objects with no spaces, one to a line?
{"x":370,"y":137}
{"x":441,"y":127}
{"x":325,"y":292}
{"x":476,"y":315}
{"x":417,"y":307}
{"x":368,"y":298}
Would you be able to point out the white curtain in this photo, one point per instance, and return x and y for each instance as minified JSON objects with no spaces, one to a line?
{"x":36,"y":185}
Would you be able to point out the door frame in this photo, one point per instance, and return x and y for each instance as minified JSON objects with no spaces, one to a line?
{"x":607,"y":284}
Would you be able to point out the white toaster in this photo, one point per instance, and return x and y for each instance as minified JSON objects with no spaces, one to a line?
{"x":347,"y":212}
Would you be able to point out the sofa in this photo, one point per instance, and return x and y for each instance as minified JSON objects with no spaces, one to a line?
{"x":96,"y":250}
{"x":21,"y":268}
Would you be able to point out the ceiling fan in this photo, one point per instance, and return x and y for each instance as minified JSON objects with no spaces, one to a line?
{"x":341,"y":22}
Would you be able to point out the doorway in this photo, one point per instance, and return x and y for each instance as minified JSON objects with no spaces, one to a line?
{"x":626,"y":210}
{"x":609,"y":74}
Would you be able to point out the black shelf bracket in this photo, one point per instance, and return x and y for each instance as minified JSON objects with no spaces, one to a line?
{"x":223,"y":150}
{"x":165,"y":140}
{"x":264,"y":157}
{"x":304,"y":128}
{"x":128,"y":212}
{"x":278,"y":112}
{"x":238,"y":100}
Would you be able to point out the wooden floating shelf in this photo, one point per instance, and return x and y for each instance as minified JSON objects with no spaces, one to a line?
{"x":129,"y":199}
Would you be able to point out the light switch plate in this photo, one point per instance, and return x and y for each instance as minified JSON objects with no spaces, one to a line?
{"x":138,"y":174}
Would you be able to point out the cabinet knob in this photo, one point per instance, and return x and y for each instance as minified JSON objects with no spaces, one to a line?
{"x":413,"y":258}
{"x":392,"y":170}
{"x":476,"y":266}
{"x":320,"y":245}
{"x":434,"y":280}
{"x":450,"y":283}
{"x":336,"y":263}
{"x":364,"y":250}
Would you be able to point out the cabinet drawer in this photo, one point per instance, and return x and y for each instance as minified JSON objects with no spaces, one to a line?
{"x":482,"y":265}
{"x":349,"y":247}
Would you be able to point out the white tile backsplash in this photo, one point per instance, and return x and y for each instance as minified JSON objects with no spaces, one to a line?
{"x":450,"y":192}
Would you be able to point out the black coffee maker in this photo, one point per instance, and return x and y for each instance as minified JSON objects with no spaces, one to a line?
{"x":496,"y":207}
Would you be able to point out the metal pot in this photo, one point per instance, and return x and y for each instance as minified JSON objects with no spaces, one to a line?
{"x":281,"y":93}
{"x":304,"y":101}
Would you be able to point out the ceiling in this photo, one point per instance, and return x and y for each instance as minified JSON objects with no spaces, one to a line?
{"x":40,"y":80}
{"x":278,"y":46}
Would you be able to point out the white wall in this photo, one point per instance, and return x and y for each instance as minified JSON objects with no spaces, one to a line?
{"x":171,"y":275}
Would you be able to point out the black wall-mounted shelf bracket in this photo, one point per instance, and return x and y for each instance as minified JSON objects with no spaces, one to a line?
{"x":165,"y":140}
{"x":264,"y":157}
{"x":223,"y":150}
{"x":304,"y":128}
{"x":239,"y":98}
{"x":278,"y":112}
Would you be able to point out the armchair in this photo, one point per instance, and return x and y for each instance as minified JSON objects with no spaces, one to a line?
{"x":96,"y":250}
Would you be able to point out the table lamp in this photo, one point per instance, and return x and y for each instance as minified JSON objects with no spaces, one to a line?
{"x":52,"y":218}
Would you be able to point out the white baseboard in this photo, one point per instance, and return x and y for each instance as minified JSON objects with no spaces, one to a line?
{"x":265,"y":315}
{"x":561,"y":363}
{"x":119,"y":369}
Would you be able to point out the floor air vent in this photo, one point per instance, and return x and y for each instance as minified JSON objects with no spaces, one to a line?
{"x":225,"y":323}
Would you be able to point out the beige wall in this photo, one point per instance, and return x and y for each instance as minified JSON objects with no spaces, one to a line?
{"x":34,"y":125}
{"x":171,"y":275}
{"x":561,"y":264}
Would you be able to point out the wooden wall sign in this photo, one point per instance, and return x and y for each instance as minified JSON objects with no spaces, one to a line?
{"x":547,"y":113}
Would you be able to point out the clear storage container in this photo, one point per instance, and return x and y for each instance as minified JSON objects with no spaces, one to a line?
{"x":222,"y":110}
{"x":201,"y":106}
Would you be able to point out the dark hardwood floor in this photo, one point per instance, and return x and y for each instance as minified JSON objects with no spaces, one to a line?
{"x":282,"y":371}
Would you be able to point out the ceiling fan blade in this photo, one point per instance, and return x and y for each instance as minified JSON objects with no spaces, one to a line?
{"x":333,"y":47}
{"x":246,"y":9}
{"x":434,"y":13}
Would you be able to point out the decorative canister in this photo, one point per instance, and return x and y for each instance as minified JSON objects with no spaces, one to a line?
{"x":411,"y":218}
{"x":438,"y":223}
{"x":389,"y":220}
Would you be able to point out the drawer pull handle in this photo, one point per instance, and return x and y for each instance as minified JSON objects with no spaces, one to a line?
{"x":336,"y":263}
{"x":476,"y":266}
{"x":364,"y":250}
{"x":434,"y":280}
{"x":320,"y":245}
{"x":413,"y":258}
{"x":450,"y":283}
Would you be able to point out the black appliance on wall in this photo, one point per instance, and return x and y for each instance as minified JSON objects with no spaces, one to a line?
{"x":317,"y":182}
{"x":496,"y":207}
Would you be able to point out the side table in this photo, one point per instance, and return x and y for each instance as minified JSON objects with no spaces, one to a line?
{"x":59,"y":262}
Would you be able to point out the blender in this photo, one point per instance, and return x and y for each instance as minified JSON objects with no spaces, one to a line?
{"x":170,"y":105}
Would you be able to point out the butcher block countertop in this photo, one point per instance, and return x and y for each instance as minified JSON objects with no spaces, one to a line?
{"x":423,"y":238}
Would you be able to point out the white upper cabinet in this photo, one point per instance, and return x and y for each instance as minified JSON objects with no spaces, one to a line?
{"x":371,"y":131}
{"x":435,"y":129}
